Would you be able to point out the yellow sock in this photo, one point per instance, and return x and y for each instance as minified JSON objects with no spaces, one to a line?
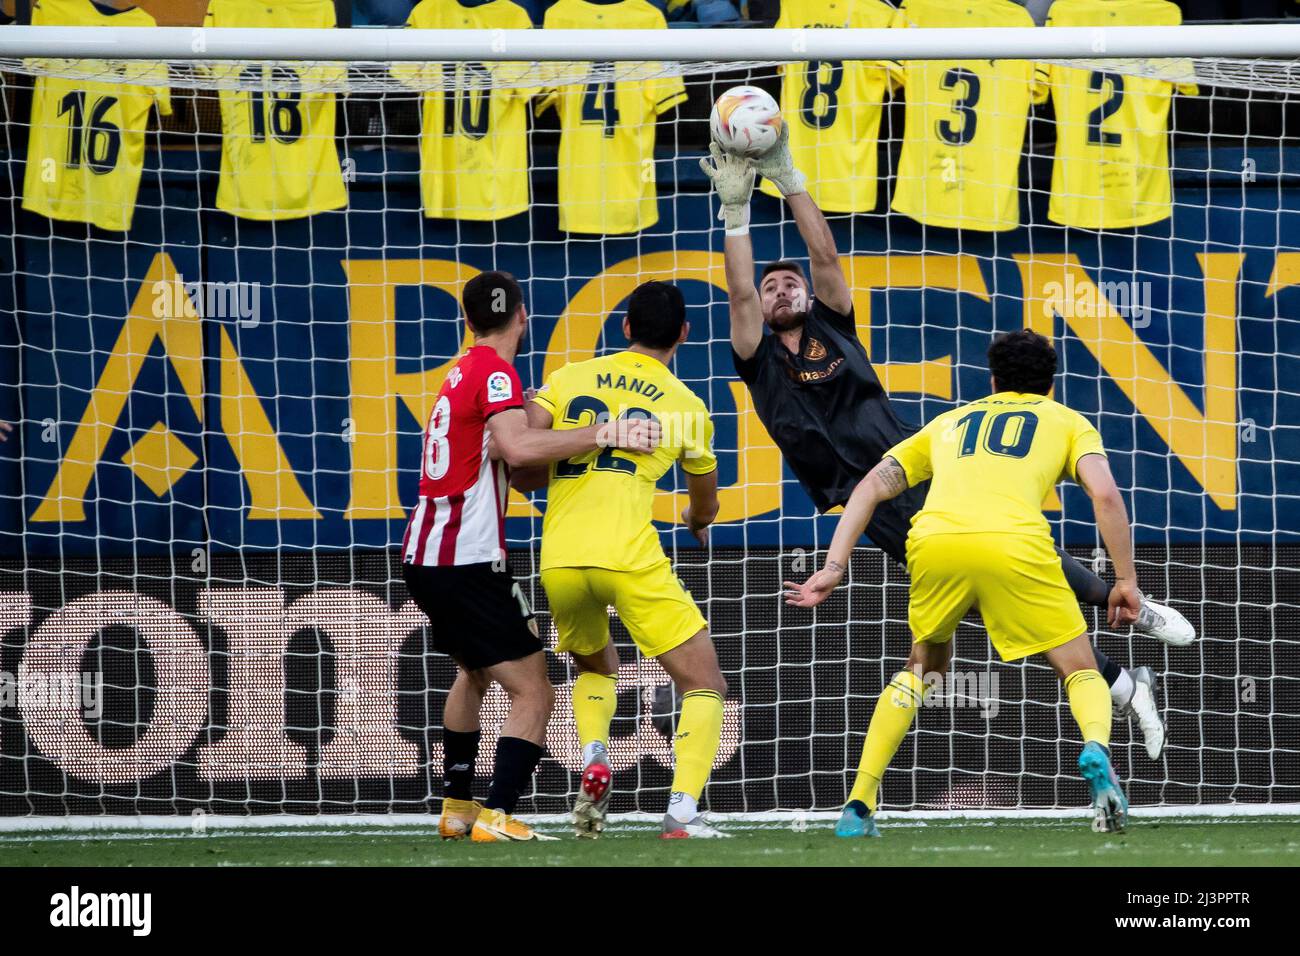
{"x":1090,"y":704}
{"x":889,"y":724}
{"x":698,"y":731}
{"x":594,"y":702}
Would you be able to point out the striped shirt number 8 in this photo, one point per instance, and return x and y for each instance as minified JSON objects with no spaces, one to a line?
{"x":437,"y":453}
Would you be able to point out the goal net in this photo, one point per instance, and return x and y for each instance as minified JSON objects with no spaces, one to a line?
{"x":230,"y":289}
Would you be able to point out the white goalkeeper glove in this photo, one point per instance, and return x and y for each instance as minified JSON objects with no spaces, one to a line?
{"x":777,"y":166}
{"x":733,"y":178}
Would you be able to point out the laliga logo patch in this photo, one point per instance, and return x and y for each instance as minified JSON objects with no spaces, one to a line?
{"x":499,"y":388}
{"x":816,"y":351}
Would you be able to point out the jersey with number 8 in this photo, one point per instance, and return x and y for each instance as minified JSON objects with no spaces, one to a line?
{"x":460,"y":517}
{"x":993,"y":462}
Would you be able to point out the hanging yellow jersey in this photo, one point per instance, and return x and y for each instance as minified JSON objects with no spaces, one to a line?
{"x":607,"y":174}
{"x":474,"y":144}
{"x":613,"y":490}
{"x":833,"y":107}
{"x":85,"y":152}
{"x":964,"y":126}
{"x":1112,"y":130}
{"x":279,"y":159}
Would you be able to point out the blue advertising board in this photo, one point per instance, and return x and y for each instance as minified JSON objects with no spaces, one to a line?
{"x":218,"y":383}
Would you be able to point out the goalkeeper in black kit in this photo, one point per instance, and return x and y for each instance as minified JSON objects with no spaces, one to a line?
{"x":817,"y":394}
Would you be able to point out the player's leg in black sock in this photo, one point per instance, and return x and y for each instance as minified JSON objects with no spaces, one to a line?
{"x":1109,"y":669}
{"x":1087,"y":587}
{"x":459,"y":751}
{"x":515,"y":762}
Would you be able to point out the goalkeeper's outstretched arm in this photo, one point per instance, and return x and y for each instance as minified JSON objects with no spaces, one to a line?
{"x":733,"y":178}
{"x":829,"y":285}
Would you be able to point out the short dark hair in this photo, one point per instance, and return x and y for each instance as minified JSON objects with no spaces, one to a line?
{"x":490,"y":301}
{"x":656,"y":312}
{"x":784,"y":265}
{"x":1022,"y":361}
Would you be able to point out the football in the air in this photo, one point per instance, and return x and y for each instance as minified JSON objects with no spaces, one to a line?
{"x":746,"y":121}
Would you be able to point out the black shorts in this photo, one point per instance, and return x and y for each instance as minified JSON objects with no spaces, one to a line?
{"x":478,"y":616}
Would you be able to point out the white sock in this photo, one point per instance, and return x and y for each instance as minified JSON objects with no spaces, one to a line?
{"x":682,"y":807}
{"x":594,"y":752}
{"x":1121,"y":692}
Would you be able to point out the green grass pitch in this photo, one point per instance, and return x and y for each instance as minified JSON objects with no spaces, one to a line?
{"x":1251,"y":841}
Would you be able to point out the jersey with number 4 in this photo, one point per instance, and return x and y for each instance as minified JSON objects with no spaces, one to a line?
{"x":599,"y":505}
{"x":278,"y":155}
{"x":460,"y":517}
{"x":86,"y":150}
{"x":607,"y":172}
{"x":992,"y":462}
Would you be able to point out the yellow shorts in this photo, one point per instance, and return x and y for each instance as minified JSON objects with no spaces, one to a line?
{"x":1016,"y":579}
{"x":651,"y":602}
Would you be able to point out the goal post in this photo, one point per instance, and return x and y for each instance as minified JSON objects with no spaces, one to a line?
{"x":220,"y":372}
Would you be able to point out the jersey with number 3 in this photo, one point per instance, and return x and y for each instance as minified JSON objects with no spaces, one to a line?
{"x":599,"y":506}
{"x":460,"y":517}
{"x":86,"y":150}
{"x":964,"y":126}
{"x":992,"y":463}
{"x":278,"y":155}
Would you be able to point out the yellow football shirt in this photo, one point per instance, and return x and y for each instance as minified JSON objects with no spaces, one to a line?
{"x":85,"y":152}
{"x":474,"y":145}
{"x":1112,"y":130}
{"x":964,"y":126}
{"x":833,"y":107}
{"x":607,"y":173}
{"x":992,"y":462}
{"x":598,"y":509}
{"x":278,"y":155}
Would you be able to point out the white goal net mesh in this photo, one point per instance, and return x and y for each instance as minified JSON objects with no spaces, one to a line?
{"x":230,"y":294}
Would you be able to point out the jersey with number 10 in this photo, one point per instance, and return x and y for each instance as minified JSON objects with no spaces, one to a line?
{"x":833,"y":107}
{"x":85,"y":153}
{"x":599,"y":505}
{"x":474,"y":144}
{"x":1112,"y":134}
{"x":278,"y":155}
{"x":607,"y":174}
{"x":992,"y":463}
{"x":964,"y":128}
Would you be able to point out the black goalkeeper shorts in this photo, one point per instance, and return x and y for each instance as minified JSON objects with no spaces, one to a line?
{"x":478,"y":616}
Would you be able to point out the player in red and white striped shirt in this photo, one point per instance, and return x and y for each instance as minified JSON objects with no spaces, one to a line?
{"x":454,"y":556}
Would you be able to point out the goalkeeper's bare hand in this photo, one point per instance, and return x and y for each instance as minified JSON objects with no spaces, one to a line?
{"x":733,"y":178}
{"x":631,"y":434}
{"x":777,"y":166}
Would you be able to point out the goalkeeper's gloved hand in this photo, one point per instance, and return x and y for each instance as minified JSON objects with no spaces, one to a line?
{"x":733,"y":178}
{"x":777,"y":165}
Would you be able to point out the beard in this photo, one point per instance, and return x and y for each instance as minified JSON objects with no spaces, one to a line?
{"x":785,"y":319}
